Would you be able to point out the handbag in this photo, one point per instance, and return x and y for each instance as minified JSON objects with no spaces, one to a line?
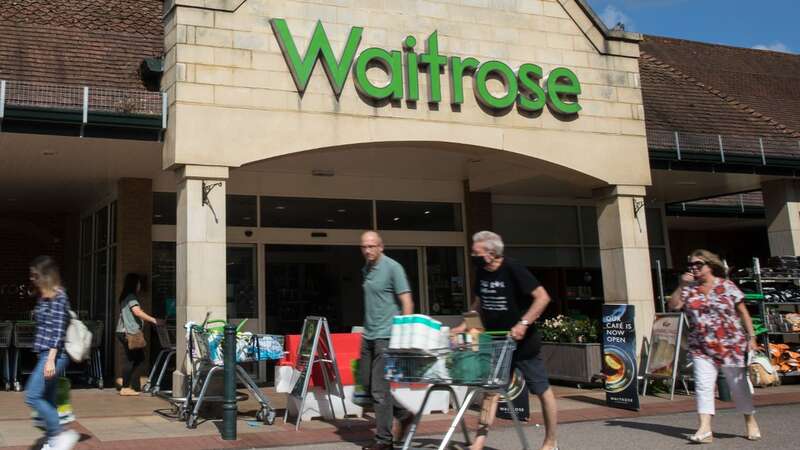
{"x":136,"y":340}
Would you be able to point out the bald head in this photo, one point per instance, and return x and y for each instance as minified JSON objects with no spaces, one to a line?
{"x":371,"y":246}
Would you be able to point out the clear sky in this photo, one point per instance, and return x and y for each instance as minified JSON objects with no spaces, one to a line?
{"x":771,"y":24}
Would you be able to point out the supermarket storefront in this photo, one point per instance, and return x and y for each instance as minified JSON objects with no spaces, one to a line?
{"x":283,"y":132}
{"x":293,"y":129}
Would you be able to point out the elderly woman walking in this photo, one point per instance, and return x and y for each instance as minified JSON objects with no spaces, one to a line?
{"x":720,"y":331}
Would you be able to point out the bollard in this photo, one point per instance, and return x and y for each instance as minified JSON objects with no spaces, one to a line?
{"x":229,"y":407}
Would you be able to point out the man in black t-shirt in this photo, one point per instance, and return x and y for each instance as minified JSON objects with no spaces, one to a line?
{"x":509,"y":297}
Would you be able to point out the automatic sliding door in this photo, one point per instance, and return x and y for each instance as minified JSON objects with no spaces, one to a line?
{"x":303,"y":280}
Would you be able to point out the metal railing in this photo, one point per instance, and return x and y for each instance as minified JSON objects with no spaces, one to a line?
{"x":80,"y":98}
{"x":721,"y":146}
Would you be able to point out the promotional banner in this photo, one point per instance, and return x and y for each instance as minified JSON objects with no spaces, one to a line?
{"x":619,"y":357}
{"x":520,"y":400}
{"x":664,"y":345}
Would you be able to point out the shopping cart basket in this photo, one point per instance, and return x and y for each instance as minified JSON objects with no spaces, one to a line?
{"x":166,"y":337}
{"x":206,"y":358}
{"x":483,"y":367}
{"x":95,"y":364}
{"x":24,"y":335}
{"x":6,"y":331}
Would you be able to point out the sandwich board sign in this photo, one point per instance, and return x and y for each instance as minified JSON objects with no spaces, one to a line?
{"x":665,"y":350}
{"x":316,"y":348}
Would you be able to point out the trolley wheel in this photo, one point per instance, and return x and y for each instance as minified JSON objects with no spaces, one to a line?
{"x":267,"y":416}
{"x":17,"y":386}
{"x":8,"y":386}
{"x":191,"y":423}
{"x":146,"y":387}
{"x":100,"y":384}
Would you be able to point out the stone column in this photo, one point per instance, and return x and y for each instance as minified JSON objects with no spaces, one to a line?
{"x":624,"y":253}
{"x":134,"y":251}
{"x":782,"y":204}
{"x":200,"y":253}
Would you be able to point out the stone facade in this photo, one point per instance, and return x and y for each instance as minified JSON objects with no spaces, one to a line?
{"x":229,"y":86}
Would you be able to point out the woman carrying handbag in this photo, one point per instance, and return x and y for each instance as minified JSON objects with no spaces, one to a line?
{"x":720,"y":333}
{"x":130,"y":331}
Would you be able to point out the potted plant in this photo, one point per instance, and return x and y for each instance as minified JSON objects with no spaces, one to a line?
{"x":571,"y":348}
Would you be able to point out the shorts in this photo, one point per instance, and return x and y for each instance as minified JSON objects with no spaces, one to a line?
{"x":535,"y":374}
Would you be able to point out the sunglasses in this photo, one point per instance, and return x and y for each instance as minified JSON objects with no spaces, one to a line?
{"x":695,"y":265}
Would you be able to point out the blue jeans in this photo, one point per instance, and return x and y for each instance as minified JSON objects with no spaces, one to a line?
{"x":40,"y":393}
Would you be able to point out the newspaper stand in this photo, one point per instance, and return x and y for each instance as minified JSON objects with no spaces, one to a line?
{"x":489,"y":373}
{"x":205,"y":356}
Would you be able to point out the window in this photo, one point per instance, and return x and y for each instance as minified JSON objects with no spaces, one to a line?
{"x":241,"y":210}
{"x":165,"y":208}
{"x":241,"y":292}
{"x":447,"y":290}
{"x":162,"y":285}
{"x":537,"y":224}
{"x":296,"y":212}
{"x":418,"y":216}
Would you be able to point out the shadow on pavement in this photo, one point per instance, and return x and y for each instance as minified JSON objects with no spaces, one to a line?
{"x":666,"y":430}
{"x":587,"y":399}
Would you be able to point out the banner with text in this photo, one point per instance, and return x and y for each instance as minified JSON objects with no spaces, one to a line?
{"x":619,"y":357}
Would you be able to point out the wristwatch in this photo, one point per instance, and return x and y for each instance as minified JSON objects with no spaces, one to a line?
{"x":525,"y":322}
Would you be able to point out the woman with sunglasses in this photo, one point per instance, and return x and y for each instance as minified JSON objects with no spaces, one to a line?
{"x":720,"y":331}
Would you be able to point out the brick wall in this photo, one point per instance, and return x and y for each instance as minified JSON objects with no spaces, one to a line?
{"x":134,"y":241}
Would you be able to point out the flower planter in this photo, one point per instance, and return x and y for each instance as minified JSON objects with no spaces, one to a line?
{"x":572,"y":362}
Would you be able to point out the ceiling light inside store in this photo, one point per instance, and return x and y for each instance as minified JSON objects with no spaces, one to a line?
{"x":330,"y":220}
{"x":427,"y":211}
{"x":280,"y":208}
{"x":341,"y":210}
{"x":396,"y":219}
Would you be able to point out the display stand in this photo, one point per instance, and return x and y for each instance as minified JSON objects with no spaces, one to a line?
{"x":772,"y":335}
{"x":315,"y":348}
{"x":664,"y":350}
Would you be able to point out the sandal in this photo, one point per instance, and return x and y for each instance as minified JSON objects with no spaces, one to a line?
{"x":705,"y":438}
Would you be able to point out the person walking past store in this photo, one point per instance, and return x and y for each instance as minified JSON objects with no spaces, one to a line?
{"x":52,"y":318}
{"x":386,"y":294}
{"x":130,"y":327}
{"x":509,"y":297}
{"x":720,"y":330}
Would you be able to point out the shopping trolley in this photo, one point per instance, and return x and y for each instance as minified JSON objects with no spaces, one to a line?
{"x":204,"y":348}
{"x":6,"y":331}
{"x":95,"y":363}
{"x":165,"y":338}
{"x":24,"y":335}
{"x":483,"y":367}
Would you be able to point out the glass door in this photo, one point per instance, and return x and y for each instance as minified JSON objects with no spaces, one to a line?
{"x":409,"y":258}
{"x":241,"y":285}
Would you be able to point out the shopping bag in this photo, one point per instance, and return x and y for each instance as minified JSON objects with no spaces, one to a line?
{"x":63,"y":404}
{"x":471,"y":365}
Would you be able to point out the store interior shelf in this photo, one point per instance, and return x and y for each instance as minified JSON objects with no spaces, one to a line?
{"x":585,"y":299}
{"x":768,"y":280}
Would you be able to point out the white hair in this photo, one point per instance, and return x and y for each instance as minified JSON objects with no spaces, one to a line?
{"x":492,"y":241}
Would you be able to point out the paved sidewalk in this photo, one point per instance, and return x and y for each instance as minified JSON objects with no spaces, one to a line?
{"x":108,"y":421}
{"x":653,"y":433}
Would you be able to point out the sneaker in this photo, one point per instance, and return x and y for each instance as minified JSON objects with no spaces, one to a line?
{"x":65,"y":440}
{"x":63,"y":419}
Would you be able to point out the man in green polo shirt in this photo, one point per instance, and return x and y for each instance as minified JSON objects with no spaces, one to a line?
{"x":386,"y":294}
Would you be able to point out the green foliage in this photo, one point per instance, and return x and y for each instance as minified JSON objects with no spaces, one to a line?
{"x":570,"y":330}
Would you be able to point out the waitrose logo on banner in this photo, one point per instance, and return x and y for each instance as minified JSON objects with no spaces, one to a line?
{"x":527,"y":87}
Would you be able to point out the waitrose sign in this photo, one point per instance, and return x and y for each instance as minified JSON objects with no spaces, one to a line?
{"x":527,"y":87}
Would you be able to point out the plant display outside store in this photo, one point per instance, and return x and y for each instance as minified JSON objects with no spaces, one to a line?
{"x":570,"y":330}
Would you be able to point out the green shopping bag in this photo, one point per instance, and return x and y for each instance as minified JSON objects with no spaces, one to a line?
{"x":63,"y":404}
{"x":472,"y":366}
